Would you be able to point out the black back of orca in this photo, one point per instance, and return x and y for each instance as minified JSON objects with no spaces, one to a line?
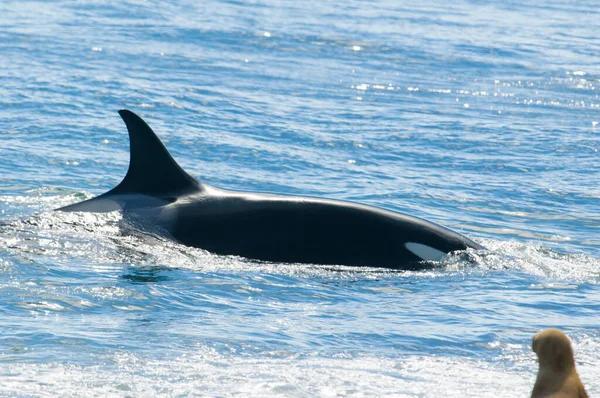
{"x":269,"y":227}
{"x":313,"y":231}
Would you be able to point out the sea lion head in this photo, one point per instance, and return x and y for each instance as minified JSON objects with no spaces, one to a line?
{"x":554,"y":350}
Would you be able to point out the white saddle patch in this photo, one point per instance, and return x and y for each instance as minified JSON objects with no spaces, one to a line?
{"x":425,"y":252}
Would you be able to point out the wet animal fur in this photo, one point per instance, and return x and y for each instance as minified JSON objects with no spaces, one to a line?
{"x":557,"y":377}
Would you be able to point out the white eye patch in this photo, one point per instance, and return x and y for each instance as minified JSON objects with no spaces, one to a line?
{"x":425,"y":252}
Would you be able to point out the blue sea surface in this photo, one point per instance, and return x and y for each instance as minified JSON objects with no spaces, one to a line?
{"x":483,"y":116}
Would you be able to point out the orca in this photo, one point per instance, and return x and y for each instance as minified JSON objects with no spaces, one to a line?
{"x":264,"y":226}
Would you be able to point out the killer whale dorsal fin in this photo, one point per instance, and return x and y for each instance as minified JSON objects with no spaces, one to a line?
{"x":152,"y":170}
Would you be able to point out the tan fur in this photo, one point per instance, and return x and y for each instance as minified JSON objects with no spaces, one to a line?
{"x":557,"y":377}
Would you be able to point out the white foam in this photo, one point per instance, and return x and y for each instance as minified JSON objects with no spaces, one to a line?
{"x":206,"y":372}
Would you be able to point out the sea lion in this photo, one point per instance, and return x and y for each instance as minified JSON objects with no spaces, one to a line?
{"x":557,"y":377}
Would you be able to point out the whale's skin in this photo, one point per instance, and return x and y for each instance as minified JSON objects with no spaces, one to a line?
{"x":264,"y":226}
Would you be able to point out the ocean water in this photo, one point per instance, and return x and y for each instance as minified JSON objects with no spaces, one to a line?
{"x":483,"y":116}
